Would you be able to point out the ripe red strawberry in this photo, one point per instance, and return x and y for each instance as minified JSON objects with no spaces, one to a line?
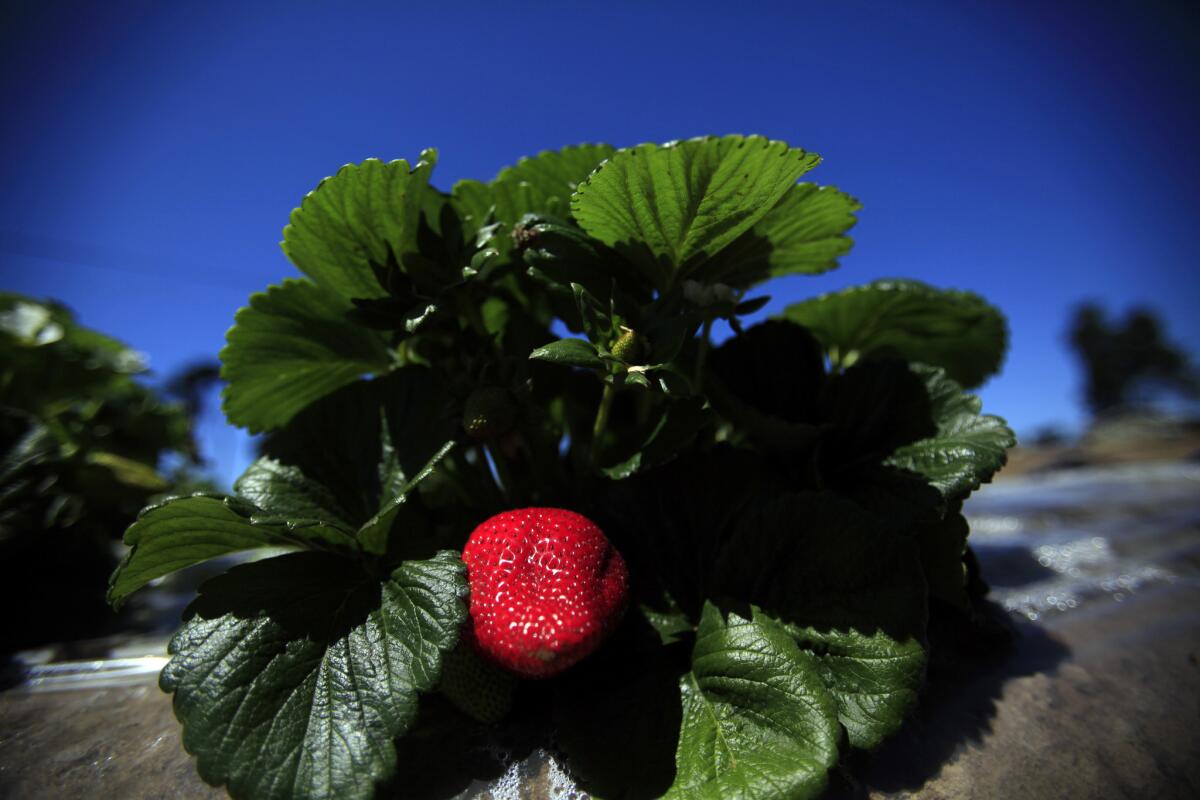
{"x":546,"y":588}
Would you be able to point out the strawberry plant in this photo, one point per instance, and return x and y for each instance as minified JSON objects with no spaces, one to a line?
{"x":80,"y":444}
{"x":750,"y":537}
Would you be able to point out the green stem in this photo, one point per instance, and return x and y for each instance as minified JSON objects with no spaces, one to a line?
{"x":606,"y":401}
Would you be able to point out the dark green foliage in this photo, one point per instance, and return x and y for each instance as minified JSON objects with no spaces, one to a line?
{"x":758,"y":720}
{"x":80,"y":444}
{"x":957,"y":331}
{"x":297,"y":673}
{"x":788,"y":503}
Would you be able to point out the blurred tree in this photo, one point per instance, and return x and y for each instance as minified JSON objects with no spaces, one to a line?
{"x":80,"y":446}
{"x":188,"y":384}
{"x":1128,"y":364}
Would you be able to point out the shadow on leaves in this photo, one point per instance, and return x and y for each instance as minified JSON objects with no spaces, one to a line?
{"x":446,"y":753}
{"x":311,"y":595}
{"x":615,"y":718}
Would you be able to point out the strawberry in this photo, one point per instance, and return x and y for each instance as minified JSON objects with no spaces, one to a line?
{"x":628,"y":346}
{"x":475,"y":687}
{"x":547,"y":587}
{"x":489,"y":412}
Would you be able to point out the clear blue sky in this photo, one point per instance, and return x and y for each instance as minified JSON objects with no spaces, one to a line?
{"x":1037,"y":153}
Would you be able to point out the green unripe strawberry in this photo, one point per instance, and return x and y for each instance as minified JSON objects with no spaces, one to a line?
{"x":489,"y":412}
{"x":478,"y":689}
{"x":628,"y":346}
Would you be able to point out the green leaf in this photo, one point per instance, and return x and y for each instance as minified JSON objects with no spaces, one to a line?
{"x":968,"y":448}
{"x":373,"y":535}
{"x":31,"y":324}
{"x":633,"y":379}
{"x":29,"y":443}
{"x":672,"y":381}
{"x":364,"y":441}
{"x":542,"y":184}
{"x":30,"y":454}
{"x":850,"y":588}
{"x":510,"y":200}
{"x":768,"y":381}
{"x":474,"y":203}
{"x":560,"y":254}
{"x":909,"y":506}
{"x":593,"y":315}
{"x":676,"y":428}
{"x":291,"y":346}
{"x":49,"y":362}
{"x":345,"y":461}
{"x":670,"y":207}
{"x":283,"y":490}
{"x":571,"y":352}
{"x":364,"y":213}
{"x":805,"y":233}
{"x":870,"y":410}
{"x":671,"y":625}
{"x":556,"y":173}
{"x":34,"y":324}
{"x":874,"y":678}
{"x":943,"y":542}
{"x":671,"y":522}
{"x":957,"y":331}
{"x":851,"y":593}
{"x":127,"y":472}
{"x":757,"y":720}
{"x":184,"y":531}
{"x":293,"y":676}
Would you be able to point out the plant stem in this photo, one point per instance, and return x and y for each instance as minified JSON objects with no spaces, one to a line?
{"x":606,"y":401}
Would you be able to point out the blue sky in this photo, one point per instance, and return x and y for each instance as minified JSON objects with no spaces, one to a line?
{"x":1038,"y":153}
